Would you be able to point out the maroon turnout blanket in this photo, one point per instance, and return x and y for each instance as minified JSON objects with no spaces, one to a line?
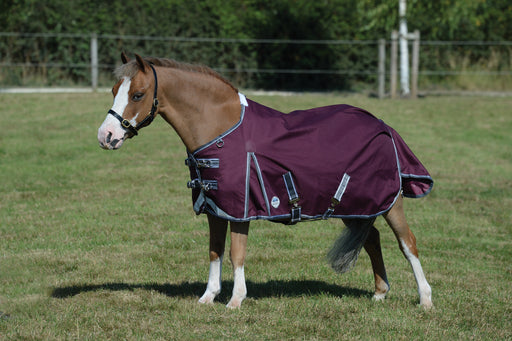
{"x":334,"y":161}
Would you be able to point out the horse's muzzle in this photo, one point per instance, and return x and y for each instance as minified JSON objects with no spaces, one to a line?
{"x":110,"y":143}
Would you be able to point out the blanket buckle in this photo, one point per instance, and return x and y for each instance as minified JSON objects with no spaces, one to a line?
{"x":204,"y":185}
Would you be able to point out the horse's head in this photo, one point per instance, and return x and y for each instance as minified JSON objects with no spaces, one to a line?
{"x":135,"y":102}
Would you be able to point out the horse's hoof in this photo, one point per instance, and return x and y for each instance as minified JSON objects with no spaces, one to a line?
{"x":234,"y":303}
{"x":427,"y":304}
{"x":379,"y":297}
{"x":207,"y":299}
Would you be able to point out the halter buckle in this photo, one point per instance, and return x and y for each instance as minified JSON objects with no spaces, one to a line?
{"x":126,"y":124}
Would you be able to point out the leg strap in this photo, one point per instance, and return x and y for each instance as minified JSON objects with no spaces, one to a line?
{"x":335,"y":200}
{"x":293,"y":198}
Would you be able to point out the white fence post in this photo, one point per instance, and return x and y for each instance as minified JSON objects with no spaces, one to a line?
{"x":404,"y":51}
{"x":94,"y":62}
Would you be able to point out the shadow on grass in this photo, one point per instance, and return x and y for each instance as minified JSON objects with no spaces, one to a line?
{"x":293,"y":288}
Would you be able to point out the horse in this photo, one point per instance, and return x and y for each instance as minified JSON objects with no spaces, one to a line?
{"x":205,"y":111}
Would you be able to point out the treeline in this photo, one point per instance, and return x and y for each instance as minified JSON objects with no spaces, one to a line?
{"x":487,"y":20}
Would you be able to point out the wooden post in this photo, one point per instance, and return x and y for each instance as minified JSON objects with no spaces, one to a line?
{"x":94,"y":62}
{"x":415,"y":64}
{"x":382,"y":67}
{"x":393,"y":71}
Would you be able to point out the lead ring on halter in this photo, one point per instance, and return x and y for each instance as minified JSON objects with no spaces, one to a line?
{"x":147,"y":120}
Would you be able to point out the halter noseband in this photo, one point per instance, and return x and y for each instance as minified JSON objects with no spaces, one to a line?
{"x":147,"y":120}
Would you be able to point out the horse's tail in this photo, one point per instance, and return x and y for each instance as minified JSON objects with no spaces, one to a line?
{"x":346,"y":248}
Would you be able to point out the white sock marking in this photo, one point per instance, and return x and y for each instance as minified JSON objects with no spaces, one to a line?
{"x":239,"y":288}
{"x":424,"y":289}
{"x":214,"y":281}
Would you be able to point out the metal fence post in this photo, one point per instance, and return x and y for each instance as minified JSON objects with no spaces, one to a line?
{"x":382,"y":67}
{"x":393,"y":71}
{"x":94,"y":62}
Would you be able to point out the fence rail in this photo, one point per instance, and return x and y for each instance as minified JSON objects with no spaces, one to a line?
{"x":442,"y":63}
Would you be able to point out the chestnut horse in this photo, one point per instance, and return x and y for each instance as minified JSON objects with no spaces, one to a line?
{"x":200,"y":105}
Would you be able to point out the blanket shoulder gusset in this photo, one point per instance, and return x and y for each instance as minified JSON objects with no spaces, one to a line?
{"x":334,"y":161}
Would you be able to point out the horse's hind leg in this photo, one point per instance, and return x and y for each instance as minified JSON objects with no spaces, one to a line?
{"x":372,"y":247}
{"x":407,"y":242}
{"x":218,"y":229}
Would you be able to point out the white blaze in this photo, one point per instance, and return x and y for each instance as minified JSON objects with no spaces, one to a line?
{"x":121,"y":99}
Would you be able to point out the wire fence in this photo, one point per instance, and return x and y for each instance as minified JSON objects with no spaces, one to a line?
{"x":48,"y":59}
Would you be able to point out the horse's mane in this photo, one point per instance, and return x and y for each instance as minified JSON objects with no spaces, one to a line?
{"x":130,"y":69}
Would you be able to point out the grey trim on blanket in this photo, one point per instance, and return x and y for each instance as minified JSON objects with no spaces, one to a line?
{"x":285,"y":218}
{"x":247,"y":185}
{"x":260,"y":179}
{"x":212,"y":208}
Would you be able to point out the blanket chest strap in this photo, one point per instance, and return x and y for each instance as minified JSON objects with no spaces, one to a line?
{"x":204,"y":185}
{"x":202,"y":163}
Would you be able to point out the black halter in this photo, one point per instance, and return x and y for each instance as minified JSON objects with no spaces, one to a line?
{"x":147,"y":120}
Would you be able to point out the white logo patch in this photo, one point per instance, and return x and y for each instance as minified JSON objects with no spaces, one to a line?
{"x":275,"y":202}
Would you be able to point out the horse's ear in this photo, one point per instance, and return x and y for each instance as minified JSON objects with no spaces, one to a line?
{"x":140,"y":62}
{"x":124,"y":58}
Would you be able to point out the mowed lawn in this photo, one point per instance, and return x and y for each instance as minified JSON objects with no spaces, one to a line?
{"x":99,"y":245}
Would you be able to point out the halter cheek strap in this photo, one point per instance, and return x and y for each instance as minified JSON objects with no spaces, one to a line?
{"x":147,"y":120}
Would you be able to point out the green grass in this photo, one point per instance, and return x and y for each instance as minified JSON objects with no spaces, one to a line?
{"x":104,"y":245}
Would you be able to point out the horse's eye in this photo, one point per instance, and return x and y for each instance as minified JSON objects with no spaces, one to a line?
{"x":137,"y":96}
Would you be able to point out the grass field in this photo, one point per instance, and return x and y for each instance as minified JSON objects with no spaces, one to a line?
{"x":99,"y":245}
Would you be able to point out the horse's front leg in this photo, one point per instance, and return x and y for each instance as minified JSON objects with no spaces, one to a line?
{"x":218,"y":230}
{"x":239,"y":233}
